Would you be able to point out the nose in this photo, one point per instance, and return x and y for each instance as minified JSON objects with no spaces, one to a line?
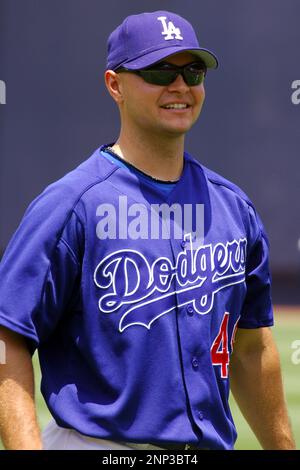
{"x":179,"y":85}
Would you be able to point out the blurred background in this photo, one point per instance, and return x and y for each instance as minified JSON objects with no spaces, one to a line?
{"x":57,"y":111}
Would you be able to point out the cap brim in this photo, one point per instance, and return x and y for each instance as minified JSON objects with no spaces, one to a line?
{"x":153,"y":57}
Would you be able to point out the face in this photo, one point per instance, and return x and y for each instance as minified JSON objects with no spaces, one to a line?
{"x":144,"y":105}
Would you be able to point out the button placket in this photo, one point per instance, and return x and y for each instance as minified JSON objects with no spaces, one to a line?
{"x":190,"y":310}
{"x":195,"y":363}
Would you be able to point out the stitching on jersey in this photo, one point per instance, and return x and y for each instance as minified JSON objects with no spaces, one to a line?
{"x":64,"y":225}
{"x":73,"y":255}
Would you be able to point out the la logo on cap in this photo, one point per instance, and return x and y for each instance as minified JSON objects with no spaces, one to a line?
{"x":169,"y":31}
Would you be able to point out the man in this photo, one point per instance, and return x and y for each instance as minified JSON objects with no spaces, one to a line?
{"x":133,"y":274}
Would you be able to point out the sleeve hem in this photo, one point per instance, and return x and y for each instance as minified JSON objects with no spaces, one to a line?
{"x":17,"y":328}
{"x":255,"y":324}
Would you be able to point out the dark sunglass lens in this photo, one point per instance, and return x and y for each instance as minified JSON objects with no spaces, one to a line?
{"x":194,"y":76}
{"x":164,"y":74}
{"x":161,"y":77}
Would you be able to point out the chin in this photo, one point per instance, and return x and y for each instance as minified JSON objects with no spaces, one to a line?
{"x":178,"y":130}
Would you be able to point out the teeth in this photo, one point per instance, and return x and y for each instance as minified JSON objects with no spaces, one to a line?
{"x":176,"y":106}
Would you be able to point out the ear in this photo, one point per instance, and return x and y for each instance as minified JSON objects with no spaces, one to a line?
{"x":114,"y":85}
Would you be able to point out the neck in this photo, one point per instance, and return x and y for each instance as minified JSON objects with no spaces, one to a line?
{"x":160,"y":157}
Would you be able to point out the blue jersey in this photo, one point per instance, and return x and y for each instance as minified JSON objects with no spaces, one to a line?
{"x":135,"y":328}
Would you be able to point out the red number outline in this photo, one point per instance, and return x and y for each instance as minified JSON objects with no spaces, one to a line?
{"x":221,"y":358}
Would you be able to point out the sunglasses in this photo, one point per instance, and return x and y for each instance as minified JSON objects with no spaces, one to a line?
{"x":164,"y":74}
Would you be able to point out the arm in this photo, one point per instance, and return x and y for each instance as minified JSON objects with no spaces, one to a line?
{"x":256,"y":385}
{"x":18,"y":424}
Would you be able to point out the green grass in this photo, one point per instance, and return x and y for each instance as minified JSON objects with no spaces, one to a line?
{"x":285,"y":332}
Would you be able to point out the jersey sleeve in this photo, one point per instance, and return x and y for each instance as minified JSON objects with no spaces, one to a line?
{"x":40,"y":268}
{"x":257,"y":309}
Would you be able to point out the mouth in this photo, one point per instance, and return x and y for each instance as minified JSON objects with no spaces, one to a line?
{"x":176,"y":106}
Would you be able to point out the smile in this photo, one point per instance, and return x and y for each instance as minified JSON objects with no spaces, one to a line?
{"x":176,"y":106}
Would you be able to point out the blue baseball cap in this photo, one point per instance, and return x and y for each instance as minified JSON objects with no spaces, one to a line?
{"x":144,"y":39}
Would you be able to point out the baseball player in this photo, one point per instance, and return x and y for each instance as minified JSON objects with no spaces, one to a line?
{"x":142,"y":278}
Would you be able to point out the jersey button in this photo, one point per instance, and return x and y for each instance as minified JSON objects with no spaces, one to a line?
{"x":200,"y":415}
{"x":183,"y":244}
{"x":190,"y":310}
{"x":195,"y":363}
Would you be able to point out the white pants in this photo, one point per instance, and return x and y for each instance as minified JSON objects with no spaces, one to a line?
{"x":57,"y":438}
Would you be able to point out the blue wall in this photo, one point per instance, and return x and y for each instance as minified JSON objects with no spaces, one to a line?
{"x":52,"y":56}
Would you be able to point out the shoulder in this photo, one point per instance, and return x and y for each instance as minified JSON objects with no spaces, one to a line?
{"x":61,"y":196}
{"x":217,"y":181}
{"x":48,"y":215}
{"x":53,"y":212}
{"x":90,"y":172}
{"x":230,"y":196}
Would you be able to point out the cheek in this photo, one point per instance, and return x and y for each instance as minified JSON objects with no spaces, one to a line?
{"x":138,"y":99}
{"x":199,"y":95}
{"x":137,"y":107}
